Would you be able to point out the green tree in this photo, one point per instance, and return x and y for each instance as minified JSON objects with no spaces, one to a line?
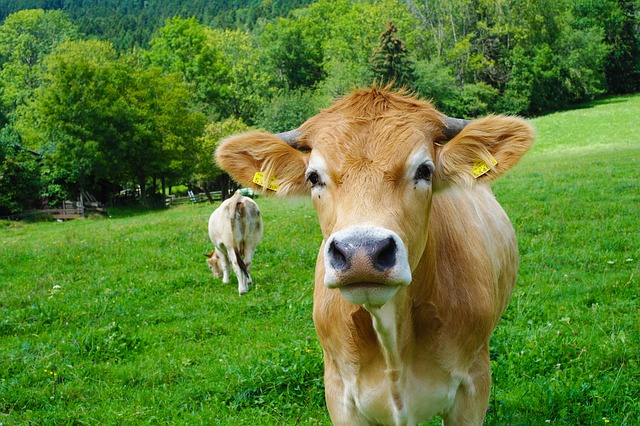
{"x":250,"y":86}
{"x":26,"y":37}
{"x":289,"y":109}
{"x":207,"y":173}
{"x":20,"y":181}
{"x":184,"y":46}
{"x":293,"y":53}
{"x":164,"y":130}
{"x":350,"y":33}
{"x":104,"y":118}
{"x":81,"y":114}
{"x":391,"y":61}
{"x":618,"y":19}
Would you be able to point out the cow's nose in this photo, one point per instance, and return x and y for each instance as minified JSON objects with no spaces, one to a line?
{"x":367,"y":263}
{"x":381,"y":252}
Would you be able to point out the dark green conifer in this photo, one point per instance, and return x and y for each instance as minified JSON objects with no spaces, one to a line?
{"x":391,"y":63}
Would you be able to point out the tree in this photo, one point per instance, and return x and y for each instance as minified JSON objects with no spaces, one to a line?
{"x":293,"y":54}
{"x":164,"y":130}
{"x":618,"y":19}
{"x":250,"y":85}
{"x":391,"y":61}
{"x":183,"y":46}
{"x":26,"y":37}
{"x":350,"y":32}
{"x":104,"y":118}
{"x":20,"y":180}
{"x":207,"y":172}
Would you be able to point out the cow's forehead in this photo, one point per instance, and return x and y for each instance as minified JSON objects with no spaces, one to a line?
{"x":379,"y":128}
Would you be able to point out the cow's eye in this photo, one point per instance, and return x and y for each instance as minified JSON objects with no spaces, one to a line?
{"x":424,"y":172}
{"x":313,"y":178}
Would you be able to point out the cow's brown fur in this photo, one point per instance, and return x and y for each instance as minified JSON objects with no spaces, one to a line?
{"x":399,"y":363}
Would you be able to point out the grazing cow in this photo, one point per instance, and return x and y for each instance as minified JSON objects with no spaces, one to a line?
{"x":418,"y":259}
{"x":235,"y":228}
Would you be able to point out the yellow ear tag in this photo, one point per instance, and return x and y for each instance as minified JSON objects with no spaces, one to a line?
{"x":273,"y":184}
{"x":480,"y":167}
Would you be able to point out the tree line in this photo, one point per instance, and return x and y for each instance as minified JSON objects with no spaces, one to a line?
{"x":79,"y":113}
{"x":132,"y":23}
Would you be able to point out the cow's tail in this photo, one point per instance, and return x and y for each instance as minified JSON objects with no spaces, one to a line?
{"x":238,"y":218}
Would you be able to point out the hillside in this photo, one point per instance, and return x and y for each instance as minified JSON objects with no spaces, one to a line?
{"x":119,"y":321}
{"x":131,"y":23}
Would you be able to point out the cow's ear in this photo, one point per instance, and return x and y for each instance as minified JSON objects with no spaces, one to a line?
{"x":264,"y":158}
{"x":483,"y":150}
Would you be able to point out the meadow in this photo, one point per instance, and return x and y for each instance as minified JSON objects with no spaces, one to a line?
{"x":119,"y":321}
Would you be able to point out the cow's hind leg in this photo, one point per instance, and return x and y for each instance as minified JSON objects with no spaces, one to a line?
{"x":248,"y":261}
{"x":241,"y":272}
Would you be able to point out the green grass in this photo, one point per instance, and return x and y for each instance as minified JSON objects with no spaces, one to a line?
{"x":119,"y":321}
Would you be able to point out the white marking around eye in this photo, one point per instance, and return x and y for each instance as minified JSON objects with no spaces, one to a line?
{"x":318,"y":164}
{"x":416,"y":159}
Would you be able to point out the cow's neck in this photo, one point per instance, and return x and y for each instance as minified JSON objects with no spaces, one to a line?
{"x":385,"y":324}
{"x":392,"y":333}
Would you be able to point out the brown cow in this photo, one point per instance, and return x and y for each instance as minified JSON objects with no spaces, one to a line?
{"x":418,"y":259}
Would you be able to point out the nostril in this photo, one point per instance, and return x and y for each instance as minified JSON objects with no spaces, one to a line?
{"x":337,"y":257}
{"x":384,"y":255}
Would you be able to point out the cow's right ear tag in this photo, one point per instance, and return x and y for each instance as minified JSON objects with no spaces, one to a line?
{"x":480,"y":167}
{"x":273,"y":184}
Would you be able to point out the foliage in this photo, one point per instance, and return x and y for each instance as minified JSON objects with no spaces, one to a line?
{"x":249,"y":85}
{"x":26,"y":37}
{"x":102,"y":121}
{"x":293,"y":53}
{"x":132,"y":23}
{"x":618,"y":20}
{"x":117,"y":320}
{"x":169,"y":65}
{"x":391,"y":63}
{"x":19,"y":176}
{"x":289,"y":109}
{"x":182,"y":46}
{"x":350,"y":34}
{"x":206,"y":170}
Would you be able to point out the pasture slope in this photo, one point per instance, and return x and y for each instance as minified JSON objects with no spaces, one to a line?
{"x":119,"y":321}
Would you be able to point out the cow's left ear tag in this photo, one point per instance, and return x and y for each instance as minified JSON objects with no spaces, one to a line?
{"x":273,"y":184}
{"x":480,"y":167}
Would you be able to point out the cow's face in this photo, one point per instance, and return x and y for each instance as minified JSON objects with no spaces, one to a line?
{"x":371,"y":186}
{"x":371,"y":163}
{"x":214,"y":263}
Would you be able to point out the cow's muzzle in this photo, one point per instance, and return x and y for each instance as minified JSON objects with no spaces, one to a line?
{"x":367,"y":263}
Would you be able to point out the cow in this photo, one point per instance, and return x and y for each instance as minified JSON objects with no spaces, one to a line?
{"x":235,"y":229}
{"x":418,"y":260}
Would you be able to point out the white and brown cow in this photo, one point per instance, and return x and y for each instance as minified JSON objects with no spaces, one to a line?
{"x":418,"y":259}
{"x":235,"y":229}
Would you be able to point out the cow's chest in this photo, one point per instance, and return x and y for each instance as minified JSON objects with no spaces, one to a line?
{"x":383,"y":381}
{"x":411,"y":395}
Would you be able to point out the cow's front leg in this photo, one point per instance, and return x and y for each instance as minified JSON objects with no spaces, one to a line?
{"x":342,"y":408}
{"x":472,"y":399}
{"x":224,"y":264}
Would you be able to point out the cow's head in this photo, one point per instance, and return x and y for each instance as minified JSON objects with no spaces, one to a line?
{"x":371,"y":163}
{"x":214,"y":263}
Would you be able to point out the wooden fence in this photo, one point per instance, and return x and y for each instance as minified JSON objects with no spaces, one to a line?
{"x":192,"y":198}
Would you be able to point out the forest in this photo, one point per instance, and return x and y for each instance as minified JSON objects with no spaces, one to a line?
{"x":132,"y":96}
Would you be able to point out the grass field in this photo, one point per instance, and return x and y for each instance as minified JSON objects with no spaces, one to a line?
{"x":119,"y":321}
